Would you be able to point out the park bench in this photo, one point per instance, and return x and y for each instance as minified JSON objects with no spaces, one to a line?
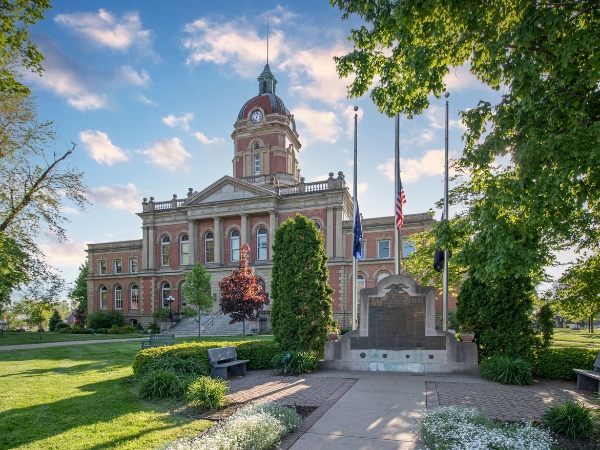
{"x":159,"y":340}
{"x":224,"y":358}
{"x":589,"y":379}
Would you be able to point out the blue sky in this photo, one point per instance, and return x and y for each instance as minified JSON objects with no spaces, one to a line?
{"x":149,"y":91}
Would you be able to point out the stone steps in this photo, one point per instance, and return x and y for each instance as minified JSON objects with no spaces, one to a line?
{"x":219,"y":327}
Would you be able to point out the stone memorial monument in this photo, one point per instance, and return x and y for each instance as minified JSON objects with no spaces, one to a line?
{"x":397,"y":333}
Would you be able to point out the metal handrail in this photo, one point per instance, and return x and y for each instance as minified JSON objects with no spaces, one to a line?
{"x":211,"y":320}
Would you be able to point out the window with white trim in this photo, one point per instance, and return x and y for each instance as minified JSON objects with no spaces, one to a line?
{"x":234,"y":242}
{"x":103,"y":298}
{"x":134,"y":296}
{"x":166,"y":293}
{"x":117,"y":266}
{"x":383,"y":249}
{"x":165,"y":248}
{"x":184,"y":250}
{"x":256,"y":164}
{"x":261,"y":244}
{"x":363,"y":250}
{"x":317,"y":224}
{"x":118,"y":297}
{"x":360,"y":284}
{"x":102,"y":267}
{"x":209,"y":248}
{"x":133,"y":265}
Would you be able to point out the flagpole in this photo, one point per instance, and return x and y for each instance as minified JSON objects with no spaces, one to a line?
{"x":355,"y":201}
{"x":447,"y":217}
{"x":397,"y":234}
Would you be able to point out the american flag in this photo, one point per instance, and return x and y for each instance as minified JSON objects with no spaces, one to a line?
{"x":400,"y":200}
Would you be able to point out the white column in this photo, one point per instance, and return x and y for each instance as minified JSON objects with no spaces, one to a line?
{"x":272,"y":230}
{"x":192,"y":235}
{"x":339,"y":251}
{"x":244,"y":227}
{"x":151,"y":249}
{"x":217,"y":240}
{"x":329,"y":225}
{"x":144,"y":248}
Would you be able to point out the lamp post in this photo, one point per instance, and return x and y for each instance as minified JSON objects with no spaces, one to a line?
{"x":170,"y":299}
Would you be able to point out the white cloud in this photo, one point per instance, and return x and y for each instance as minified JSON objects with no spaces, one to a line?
{"x":437,"y":117}
{"x":168,"y":154}
{"x":460,"y":79}
{"x":142,"y":98}
{"x":422,"y":136}
{"x":206,"y":141}
{"x":181,"y":122}
{"x":69,"y":253}
{"x":320,"y":125}
{"x":139,"y":79}
{"x":120,"y":197}
{"x":360,"y":187}
{"x":106,"y":30}
{"x":432,"y":163}
{"x":100,"y":148}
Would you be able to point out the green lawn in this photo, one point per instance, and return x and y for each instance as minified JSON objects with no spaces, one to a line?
{"x":565,"y":337}
{"x":83,"y":397}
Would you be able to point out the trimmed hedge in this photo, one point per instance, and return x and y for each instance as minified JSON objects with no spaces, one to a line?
{"x":259,"y":353}
{"x":558,"y":363}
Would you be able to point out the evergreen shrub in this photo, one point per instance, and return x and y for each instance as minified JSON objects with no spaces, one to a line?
{"x":506,"y":370}
{"x":295,"y":361}
{"x":54,"y":320}
{"x":207,"y":392}
{"x":105,"y":319}
{"x":115,"y":329}
{"x":571,"y":419}
{"x":558,"y":363}
{"x":128,"y":329}
{"x":181,"y":366}
{"x":101,"y":330}
{"x":153,"y":328}
{"x":64,"y":330}
{"x":260,"y":353}
{"x":78,"y":329}
{"x":62,"y":325}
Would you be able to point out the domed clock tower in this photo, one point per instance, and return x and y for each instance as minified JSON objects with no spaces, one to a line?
{"x":265,"y":138}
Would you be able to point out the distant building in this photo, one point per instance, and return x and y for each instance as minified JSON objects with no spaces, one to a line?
{"x":210,"y":225}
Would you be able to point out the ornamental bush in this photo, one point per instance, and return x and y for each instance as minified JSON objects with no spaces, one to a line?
{"x":54,"y":320}
{"x":181,"y":366}
{"x":558,"y":363}
{"x":162,"y":384}
{"x":506,"y":370}
{"x":207,"y":392}
{"x":302,"y":304}
{"x":260,"y":353}
{"x":295,"y":361}
{"x":115,"y":329}
{"x":61,"y":325}
{"x":128,"y":329}
{"x":105,"y":319}
{"x":571,"y":419}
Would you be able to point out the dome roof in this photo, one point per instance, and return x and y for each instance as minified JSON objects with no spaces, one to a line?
{"x":269,"y":102}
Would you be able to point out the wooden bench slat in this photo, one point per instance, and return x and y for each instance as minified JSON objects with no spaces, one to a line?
{"x":159,"y":340}
{"x":223,"y":358}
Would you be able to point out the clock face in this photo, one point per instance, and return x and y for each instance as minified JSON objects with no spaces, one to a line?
{"x":256,"y":117}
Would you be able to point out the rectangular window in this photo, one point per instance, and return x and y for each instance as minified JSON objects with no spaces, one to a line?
{"x":209,"y":251}
{"x":185,"y":253}
{"x":262,"y":247}
{"x":134,"y":298}
{"x":256,"y":164}
{"x":409,"y":247}
{"x":118,"y":266}
{"x":133,"y":267}
{"x":103,"y":299}
{"x":102,"y":268}
{"x":363,"y":250}
{"x":165,"y":254}
{"x":383,"y":249}
{"x":118,"y":298}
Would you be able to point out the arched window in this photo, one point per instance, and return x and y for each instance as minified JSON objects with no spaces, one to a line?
{"x":261,"y":244}
{"x":317,"y":224}
{"x":209,"y":248}
{"x":184,"y":250}
{"x":103,"y":298}
{"x":166,"y":293}
{"x":118,"y":297}
{"x":360,"y":284}
{"x":382,"y":275}
{"x":164,"y":250}
{"x":261,"y":283}
{"x":134,"y":296}
{"x":234,"y":240}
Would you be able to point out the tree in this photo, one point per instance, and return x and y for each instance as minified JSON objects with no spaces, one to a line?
{"x":78,"y":294}
{"x":54,"y":319}
{"x":545,"y":56}
{"x":241,"y":296}
{"x":578,"y":293}
{"x":35,"y":312}
{"x":302,"y":304}
{"x":15,"y":18}
{"x":196,"y":292}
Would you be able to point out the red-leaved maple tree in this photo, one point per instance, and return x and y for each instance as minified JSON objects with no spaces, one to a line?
{"x":241,"y":296}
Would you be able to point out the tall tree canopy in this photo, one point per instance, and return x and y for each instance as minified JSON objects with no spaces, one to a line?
{"x":302,"y":304}
{"x":546,"y":57}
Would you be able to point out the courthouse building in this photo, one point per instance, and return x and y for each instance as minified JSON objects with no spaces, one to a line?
{"x":210,"y":225}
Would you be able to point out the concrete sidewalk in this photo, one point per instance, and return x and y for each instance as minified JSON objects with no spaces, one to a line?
{"x":378,"y":412}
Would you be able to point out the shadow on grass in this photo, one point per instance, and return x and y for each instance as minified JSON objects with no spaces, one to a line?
{"x":106,"y":401}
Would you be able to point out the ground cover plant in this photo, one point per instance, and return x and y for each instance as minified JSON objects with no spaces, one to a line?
{"x":258,"y":426}
{"x":295,"y":361}
{"x":460,"y":428}
{"x":571,"y":419}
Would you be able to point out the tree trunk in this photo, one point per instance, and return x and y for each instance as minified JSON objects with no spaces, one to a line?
{"x":199,"y":326}
{"x":244,"y":328}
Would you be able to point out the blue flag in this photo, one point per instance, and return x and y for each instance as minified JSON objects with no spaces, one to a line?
{"x":356,"y":251}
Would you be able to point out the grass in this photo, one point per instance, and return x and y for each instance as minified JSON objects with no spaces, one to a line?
{"x":565,"y":337}
{"x":24,"y":337}
{"x":84,"y":397}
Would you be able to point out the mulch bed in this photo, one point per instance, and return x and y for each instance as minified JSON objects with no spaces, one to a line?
{"x":567,"y":443}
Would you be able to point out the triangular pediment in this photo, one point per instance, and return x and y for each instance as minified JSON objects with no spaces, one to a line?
{"x":226,"y":189}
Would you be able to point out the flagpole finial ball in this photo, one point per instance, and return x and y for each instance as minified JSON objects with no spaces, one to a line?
{"x":356,"y":108}
{"x":447,"y":94}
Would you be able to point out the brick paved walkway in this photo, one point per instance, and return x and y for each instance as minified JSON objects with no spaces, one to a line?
{"x":507,"y":402}
{"x":266,"y":385}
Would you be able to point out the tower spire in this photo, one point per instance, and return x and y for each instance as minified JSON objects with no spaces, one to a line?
{"x":267,"y":39}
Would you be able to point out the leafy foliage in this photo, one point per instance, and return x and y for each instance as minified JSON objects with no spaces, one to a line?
{"x":161,"y":383}
{"x":572,"y":419}
{"x":36,"y":312}
{"x":179,"y":365}
{"x":79,"y":291}
{"x":260,"y":353}
{"x":500,"y":312}
{"x":302,"y":306}
{"x":106,"y":319}
{"x":241,"y":296}
{"x":207,"y":392}
{"x":506,"y":370}
{"x":162,"y":313}
{"x":558,"y":363}
{"x":54,"y":320}
{"x":196,"y":292}
{"x":295,"y":361}
{"x":544,"y":324}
